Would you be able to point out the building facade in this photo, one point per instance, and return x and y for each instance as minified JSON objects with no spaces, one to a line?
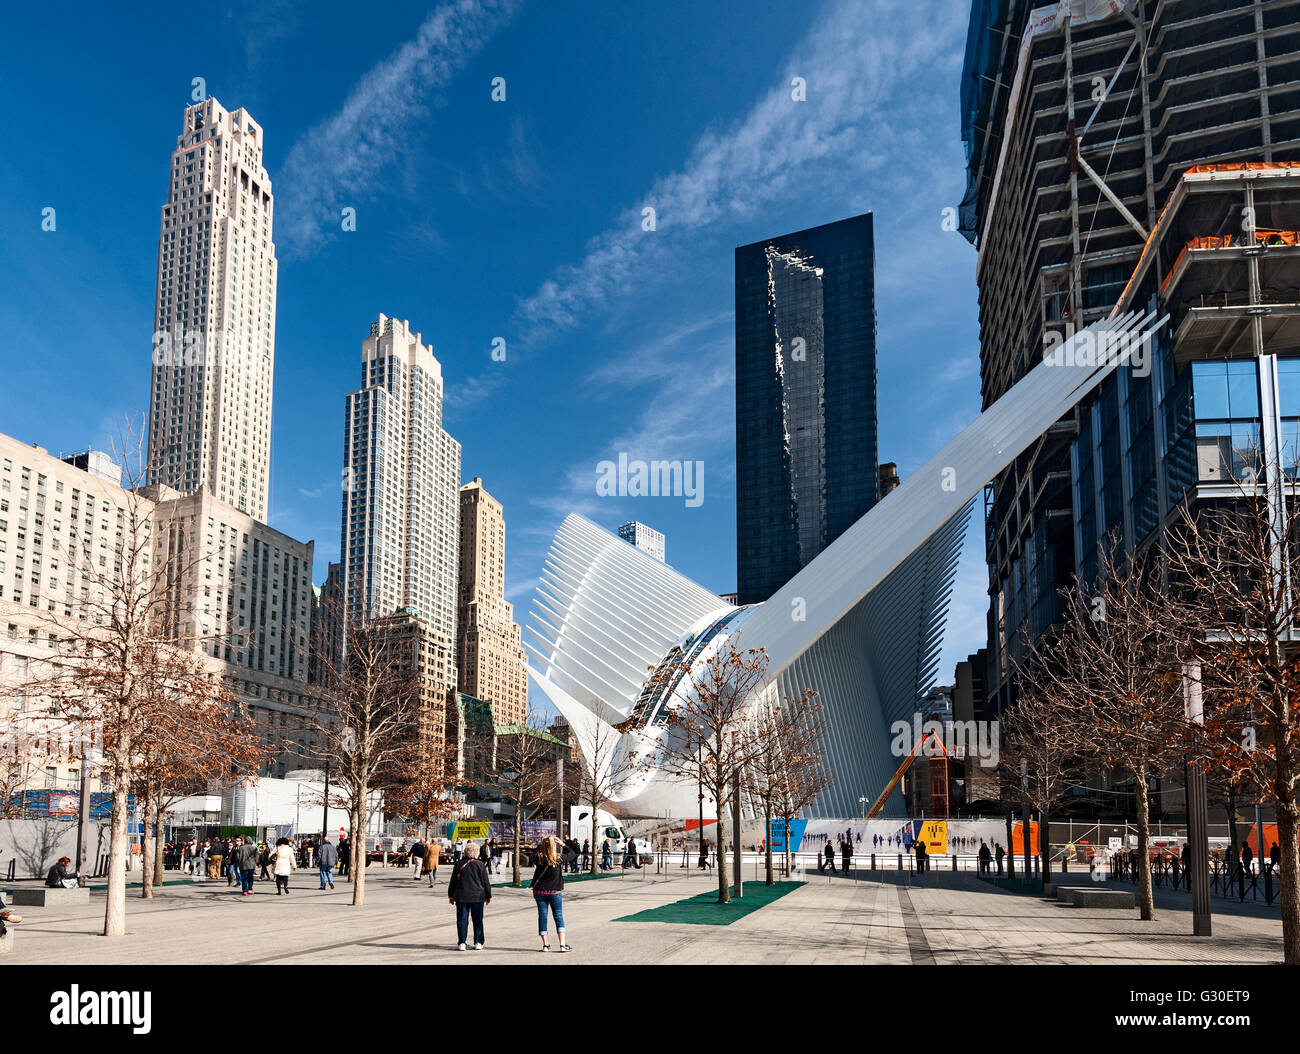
{"x":400,"y":534}
{"x":645,"y":538}
{"x":1080,"y":122}
{"x":806,"y":444}
{"x":490,"y":657}
{"x":241,"y":591}
{"x":214,"y":316}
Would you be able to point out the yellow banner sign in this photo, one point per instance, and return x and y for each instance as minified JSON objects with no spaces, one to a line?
{"x":469,"y":829}
{"x":934,"y":833}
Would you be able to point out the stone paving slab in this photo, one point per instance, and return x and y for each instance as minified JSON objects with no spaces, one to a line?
{"x":893,"y":920}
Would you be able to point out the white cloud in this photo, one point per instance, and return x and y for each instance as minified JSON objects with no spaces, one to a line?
{"x":338,"y":162}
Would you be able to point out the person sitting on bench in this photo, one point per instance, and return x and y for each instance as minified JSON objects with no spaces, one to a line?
{"x":60,"y":877}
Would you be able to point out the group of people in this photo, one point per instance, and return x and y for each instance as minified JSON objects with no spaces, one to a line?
{"x":470,"y":890}
{"x":827,"y":858}
{"x":987,"y":856}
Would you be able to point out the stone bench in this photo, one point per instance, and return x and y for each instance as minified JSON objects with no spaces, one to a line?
{"x":46,"y":897}
{"x":1094,"y":897}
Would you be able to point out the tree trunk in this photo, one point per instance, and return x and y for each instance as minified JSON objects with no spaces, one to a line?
{"x":147,"y":849}
{"x":1045,"y":847}
{"x":358,"y":819}
{"x":158,"y":840}
{"x":515,"y":879}
{"x":767,"y":842}
{"x":724,"y":886}
{"x":115,"y":905}
{"x":1287,"y":814}
{"x":1146,"y":900}
{"x":739,"y":854}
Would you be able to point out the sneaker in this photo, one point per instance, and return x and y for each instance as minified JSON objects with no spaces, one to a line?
{"x":565,"y":948}
{"x":478,"y":947}
{"x":10,"y":916}
{"x":460,"y":947}
{"x":546,"y":947}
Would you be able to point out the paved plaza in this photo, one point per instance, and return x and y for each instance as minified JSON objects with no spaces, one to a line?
{"x":885,"y":918}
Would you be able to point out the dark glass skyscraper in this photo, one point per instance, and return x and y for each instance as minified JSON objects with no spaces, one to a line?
{"x":805,"y":397}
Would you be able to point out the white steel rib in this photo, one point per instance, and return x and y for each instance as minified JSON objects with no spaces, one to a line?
{"x":873,"y":603}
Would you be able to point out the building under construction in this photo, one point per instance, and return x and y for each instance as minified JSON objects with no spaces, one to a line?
{"x":1083,"y":121}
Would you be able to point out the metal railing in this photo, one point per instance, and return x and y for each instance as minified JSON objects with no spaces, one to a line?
{"x":1228,"y":881}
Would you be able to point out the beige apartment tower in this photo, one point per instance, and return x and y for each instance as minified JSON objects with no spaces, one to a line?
{"x":490,"y":656}
{"x":214,"y":319}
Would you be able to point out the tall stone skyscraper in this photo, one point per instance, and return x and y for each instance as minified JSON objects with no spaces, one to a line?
{"x":489,"y":654}
{"x":214,"y":319}
{"x":805,"y":398}
{"x":400,"y":488}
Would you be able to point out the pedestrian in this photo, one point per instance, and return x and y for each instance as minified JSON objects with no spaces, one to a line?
{"x":263,"y":862}
{"x":606,"y":856}
{"x":431,"y":862}
{"x":919,"y":848}
{"x":417,"y":857}
{"x":629,"y":855}
{"x":1247,"y":857}
{"x":232,"y":866}
{"x":846,"y":853}
{"x":61,"y":876}
{"x":999,"y":852}
{"x":830,"y":857}
{"x":284,"y":865}
{"x":326,"y":860}
{"x":704,"y":855}
{"x":548,"y":889}
{"x":1275,"y":857}
{"x":345,"y":854}
{"x":985,"y":857}
{"x":470,"y":890}
{"x":246,"y":859}
{"x":457,"y":848}
{"x":586,"y":853}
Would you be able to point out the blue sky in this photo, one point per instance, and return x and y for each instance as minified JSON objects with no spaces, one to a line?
{"x":518,"y":219}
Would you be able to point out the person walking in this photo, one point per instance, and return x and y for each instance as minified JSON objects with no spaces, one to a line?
{"x":215,"y":858}
{"x":284,"y":865}
{"x":704,"y":855}
{"x":485,"y":858}
{"x":232,"y":866}
{"x":1274,"y":857}
{"x":606,"y":856}
{"x":457,"y":849}
{"x":417,"y":857}
{"x":830,"y":857}
{"x":345,"y":855}
{"x":326,"y":860}
{"x":470,"y":890}
{"x":846,"y":853}
{"x":246,"y":858}
{"x":999,"y":852}
{"x":1247,"y":857}
{"x":986,"y":857}
{"x":586,"y":853}
{"x":548,"y":888}
{"x":431,"y":862}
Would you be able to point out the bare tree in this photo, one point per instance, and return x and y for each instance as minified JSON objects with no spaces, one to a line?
{"x":705,"y":738}
{"x":368,"y":729}
{"x":1238,"y":566}
{"x":1112,"y":678}
{"x":785,"y":771}
{"x":1039,"y":756}
{"x":601,"y":766}
{"x":525,"y":763}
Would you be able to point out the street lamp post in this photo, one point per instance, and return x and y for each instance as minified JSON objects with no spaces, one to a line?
{"x":1198,"y":838}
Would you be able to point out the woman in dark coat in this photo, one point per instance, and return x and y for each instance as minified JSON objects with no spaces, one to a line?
{"x":470,"y":890}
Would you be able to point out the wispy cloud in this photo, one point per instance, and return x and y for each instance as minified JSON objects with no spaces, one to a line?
{"x":859,"y":63}
{"x":339,"y":162}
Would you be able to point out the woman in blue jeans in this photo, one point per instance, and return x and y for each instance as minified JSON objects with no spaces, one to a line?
{"x":548,"y":888}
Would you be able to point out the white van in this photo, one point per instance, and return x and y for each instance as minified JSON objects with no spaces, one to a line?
{"x":607,"y":826}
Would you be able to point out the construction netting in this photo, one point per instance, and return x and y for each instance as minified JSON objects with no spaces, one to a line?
{"x":987,"y":46}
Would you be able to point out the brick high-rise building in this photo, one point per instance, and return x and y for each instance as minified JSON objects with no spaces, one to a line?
{"x":214,"y":319}
{"x":490,"y":656}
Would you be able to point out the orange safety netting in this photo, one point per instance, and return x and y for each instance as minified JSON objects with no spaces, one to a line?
{"x":1264,"y":236}
{"x":1243,"y":166}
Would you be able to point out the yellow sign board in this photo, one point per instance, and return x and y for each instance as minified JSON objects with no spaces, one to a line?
{"x":934,"y":833}
{"x":468,"y":829}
